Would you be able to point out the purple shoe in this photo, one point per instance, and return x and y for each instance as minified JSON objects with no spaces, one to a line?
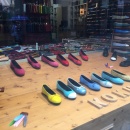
{"x":33,"y":62}
{"x":18,"y":70}
{"x":49,"y":61}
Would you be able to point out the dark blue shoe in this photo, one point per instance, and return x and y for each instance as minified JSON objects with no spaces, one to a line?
{"x":112,"y":78}
{"x":89,"y":83}
{"x":121,"y":31}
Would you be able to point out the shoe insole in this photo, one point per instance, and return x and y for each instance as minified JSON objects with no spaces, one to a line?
{"x":65,"y":87}
{"x":48,"y":90}
{"x":74,"y":82}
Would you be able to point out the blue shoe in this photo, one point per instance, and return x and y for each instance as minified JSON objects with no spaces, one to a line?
{"x":121,"y":31}
{"x":112,"y":78}
{"x":121,"y":24}
{"x":89,"y":83}
{"x":101,"y":81}
{"x":67,"y":91}
{"x":76,"y":86}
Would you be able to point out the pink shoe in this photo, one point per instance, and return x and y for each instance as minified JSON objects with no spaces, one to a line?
{"x":74,"y":59}
{"x":49,"y":61}
{"x":18,"y":70}
{"x":33,"y":62}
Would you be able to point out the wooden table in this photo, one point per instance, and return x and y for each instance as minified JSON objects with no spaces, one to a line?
{"x":23,"y":94}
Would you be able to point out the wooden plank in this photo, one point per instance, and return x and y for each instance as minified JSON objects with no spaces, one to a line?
{"x":24,"y":94}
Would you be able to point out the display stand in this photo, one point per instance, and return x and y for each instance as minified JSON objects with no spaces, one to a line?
{"x":38,"y":28}
{"x":23,"y":94}
{"x":121,"y":34}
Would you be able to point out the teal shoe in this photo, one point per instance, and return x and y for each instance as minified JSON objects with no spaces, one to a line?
{"x":112,"y":78}
{"x":67,"y":91}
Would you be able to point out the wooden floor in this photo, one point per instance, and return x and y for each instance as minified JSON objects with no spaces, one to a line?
{"x":23,"y":94}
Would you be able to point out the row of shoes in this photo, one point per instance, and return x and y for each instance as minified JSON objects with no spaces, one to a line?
{"x":73,"y":88}
{"x":18,"y":70}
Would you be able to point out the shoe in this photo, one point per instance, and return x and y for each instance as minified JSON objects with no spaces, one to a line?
{"x":125,"y":63}
{"x":79,"y":89}
{"x":120,"y":75}
{"x":121,"y":31}
{"x":114,"y":56}
{"x":74,"y":59}
{"x":62,"y":60}
{"x":119,"y":17}
{"x":112,"y":78}
{"x":89,"y":83}
{"x":49,"y":61}
{"x":101,"y":81}
{"x":83,"y":55}
{"x":120,"y":44}
{"x":67,"y":91}
{"x":33,"y":62}
{"x":121,"y":24}
{"x":121,"y":38}
{"x":18,"y":70}
{"x":51,"y":95}
{"x":105,"y":52}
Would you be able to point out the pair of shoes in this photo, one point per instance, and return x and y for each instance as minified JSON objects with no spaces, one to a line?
{"x":33,"y":62}
{"x":101,"y":81}
{"x":89,"y":83}
{"x":114,"y":56}
{"x":74,"y":59}
{"x":111,"y":78}
{"x":125,"y":63}
{"x":49,"y":61}
{"x":66,"y":90}
{"x":51,"y":95}
{"x":105,"y":52}
{"x":17,"y":69}
{"x":83,"y":55}
{"x":120,"y":75}
{"x":79,"y":89}
{"x":62,"y":60}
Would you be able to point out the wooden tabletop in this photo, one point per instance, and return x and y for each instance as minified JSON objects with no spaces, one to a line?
{"x":23,"y":94}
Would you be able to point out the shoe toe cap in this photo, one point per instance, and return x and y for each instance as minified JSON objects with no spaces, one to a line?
{"x":72,"y":95}
{"x":96,"y":87}
{"x":82,"y":91}
{"x":56,"y":99}
{"x":20,"y":72}
{"x":113,"y":58}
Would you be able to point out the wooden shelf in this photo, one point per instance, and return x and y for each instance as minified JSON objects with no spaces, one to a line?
{"x":23,"y":94}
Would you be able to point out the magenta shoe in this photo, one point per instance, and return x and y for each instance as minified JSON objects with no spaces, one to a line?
{"x":33,"y":62}
{"x":49,"y":61}
{"x":18,"y":70}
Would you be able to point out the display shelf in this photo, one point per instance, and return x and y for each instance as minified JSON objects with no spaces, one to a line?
{"x":23,"y":94}
{"x":99,"y":18}
{"x":38,"y":13}
{"x":77,"y":21}
{"x":121,"y":31}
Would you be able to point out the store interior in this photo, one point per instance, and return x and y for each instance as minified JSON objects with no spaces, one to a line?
{"x":65,"y":64}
